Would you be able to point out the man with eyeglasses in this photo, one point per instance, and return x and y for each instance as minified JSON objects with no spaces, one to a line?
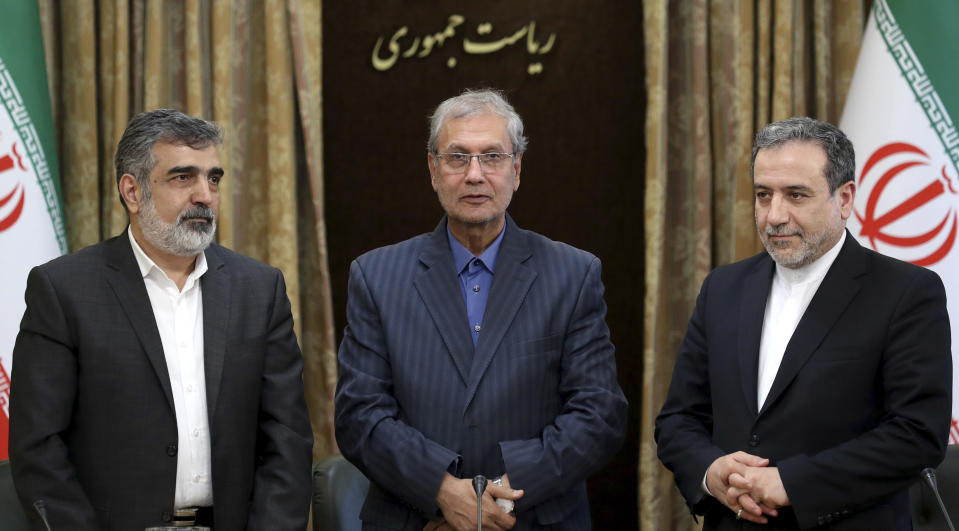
{"x":477,"y":349}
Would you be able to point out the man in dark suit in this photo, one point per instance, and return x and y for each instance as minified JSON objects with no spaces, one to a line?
{"x":156,"y":376}
{"x":480,"y":348}
{"x":814,"y":381}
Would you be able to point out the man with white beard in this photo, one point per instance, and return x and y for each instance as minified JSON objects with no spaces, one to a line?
{"x":157,"y":379}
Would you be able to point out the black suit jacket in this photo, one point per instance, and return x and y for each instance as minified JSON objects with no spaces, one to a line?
{"x":861,"y":402}
{"x":537,"y":398}
{"x":93,"y":429}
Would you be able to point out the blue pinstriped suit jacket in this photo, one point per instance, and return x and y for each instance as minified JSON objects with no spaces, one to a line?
{"x":537,"y":399}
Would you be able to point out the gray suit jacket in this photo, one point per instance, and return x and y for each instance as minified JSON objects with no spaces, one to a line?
{"x":93,"y":429}
{"x":537,"y":398}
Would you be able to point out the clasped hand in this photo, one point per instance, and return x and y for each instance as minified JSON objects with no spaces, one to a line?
{"x":746,"y":482}
{"x":457,"y":500}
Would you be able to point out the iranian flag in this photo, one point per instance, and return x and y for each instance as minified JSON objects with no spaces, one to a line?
{"x":901,"y":116}
{"x":31,"y":215}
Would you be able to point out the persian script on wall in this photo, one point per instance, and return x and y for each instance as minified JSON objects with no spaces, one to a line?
{"x":402,"y":45}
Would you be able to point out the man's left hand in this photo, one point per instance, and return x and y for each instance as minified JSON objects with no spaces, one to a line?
{"x":505,"y":491}
{"x":457,"y":501}
{"x":762,"y":484}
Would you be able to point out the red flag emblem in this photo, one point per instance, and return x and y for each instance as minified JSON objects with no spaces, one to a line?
{"x":17,"y":194}
{"x":876,"y":227}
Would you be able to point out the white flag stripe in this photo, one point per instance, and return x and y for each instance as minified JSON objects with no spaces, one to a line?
{"x":29,"y":209}
{"x":906,"y":150}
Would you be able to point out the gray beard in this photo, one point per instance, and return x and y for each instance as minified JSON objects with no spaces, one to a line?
{"x":180,"y":238}
{"x":810,"y":248}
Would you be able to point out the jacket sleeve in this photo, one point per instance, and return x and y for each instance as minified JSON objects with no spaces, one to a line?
{"x":282,"y":482}
{"x":916,"y":387}
{"x":43,"y":390}
{"x":684,"y":426}
{"x":591,"y":425}
{"x":369,"y":431}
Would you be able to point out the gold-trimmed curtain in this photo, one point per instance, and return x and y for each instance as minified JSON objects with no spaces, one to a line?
{"x":253,"y":66}
{"x":716,"y":72}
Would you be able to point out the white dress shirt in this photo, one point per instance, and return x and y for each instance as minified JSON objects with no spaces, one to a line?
{"x":789,"y":296}
{"x":179,"y":318}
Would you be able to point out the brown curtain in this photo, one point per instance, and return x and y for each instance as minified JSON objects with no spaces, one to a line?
{"x":253,"y":66}
{"x":716,"y":72}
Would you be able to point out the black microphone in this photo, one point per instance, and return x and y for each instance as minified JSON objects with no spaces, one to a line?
{"x":41,"y":507}
{"x":929,"y":475}
{"x":479,"y":485}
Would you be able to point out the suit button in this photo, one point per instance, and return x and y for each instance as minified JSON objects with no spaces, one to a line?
{"x":754,"y":440}
{"x":166,"y":517}
{"x":171,"y":450}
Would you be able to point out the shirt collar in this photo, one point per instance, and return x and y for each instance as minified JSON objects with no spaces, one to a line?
{"x":462,"y":255}
{"x":816,"y":270}
{"x":146,"y":264}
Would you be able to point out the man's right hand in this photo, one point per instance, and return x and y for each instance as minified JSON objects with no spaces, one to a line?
{"x":717,"y":481}
{"x":457,"y":500}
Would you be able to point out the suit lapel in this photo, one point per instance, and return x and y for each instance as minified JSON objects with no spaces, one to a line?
{"x":215,"y":284}
{"x":511,"y":282}
{"x":129,"y":289}
{"x":439,"y":288}
{"x":752,"y":312}
{"x":837,"y":290}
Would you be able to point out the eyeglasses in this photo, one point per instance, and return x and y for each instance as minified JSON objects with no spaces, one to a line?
{"x":491,"y":162}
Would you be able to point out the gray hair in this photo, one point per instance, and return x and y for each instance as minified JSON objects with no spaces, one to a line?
{"x":135,"y":149}
{"x":472,"y":102}
{"x":840,"y":156}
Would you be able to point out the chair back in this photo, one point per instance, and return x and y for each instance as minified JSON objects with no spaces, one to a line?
{"x":339,"y":490}
{"x":926,"y":514}
{"x":11,"y":513}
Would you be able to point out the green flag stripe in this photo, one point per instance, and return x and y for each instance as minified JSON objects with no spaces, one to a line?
{"x":918,"y":35}
{"x":930,"y":27}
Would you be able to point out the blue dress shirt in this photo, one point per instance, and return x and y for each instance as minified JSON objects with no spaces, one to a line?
{"x":476,"y":277}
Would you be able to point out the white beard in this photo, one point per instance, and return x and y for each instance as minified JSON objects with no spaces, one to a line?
{"x":180,"y":238}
